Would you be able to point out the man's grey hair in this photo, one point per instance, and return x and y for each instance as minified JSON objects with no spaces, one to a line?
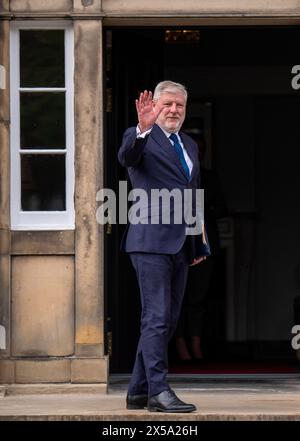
{"x":170,"y":87}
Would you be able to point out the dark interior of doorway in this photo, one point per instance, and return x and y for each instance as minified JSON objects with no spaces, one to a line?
{"x":248,"y":110}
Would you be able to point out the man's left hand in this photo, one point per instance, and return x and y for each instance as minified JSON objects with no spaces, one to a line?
{"x":198,"y":260}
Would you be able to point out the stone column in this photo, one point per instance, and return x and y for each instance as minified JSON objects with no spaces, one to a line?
{"x":6,"y":367}
{"x":89,"y":274}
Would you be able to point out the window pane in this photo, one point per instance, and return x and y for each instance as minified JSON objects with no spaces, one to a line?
{"x":43,"y":185}
{"x":42,"y":58}
{"x":42,"y":120}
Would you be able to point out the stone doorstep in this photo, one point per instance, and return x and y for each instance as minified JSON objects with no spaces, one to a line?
{"x":83,"y":402}
{"x":38,"y":389}
{"x":154,"y":416}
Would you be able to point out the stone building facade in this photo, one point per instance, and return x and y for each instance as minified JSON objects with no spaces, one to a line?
{"x":52,"y":277}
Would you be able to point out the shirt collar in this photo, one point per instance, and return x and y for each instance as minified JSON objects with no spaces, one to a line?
{"x":169,"y":134}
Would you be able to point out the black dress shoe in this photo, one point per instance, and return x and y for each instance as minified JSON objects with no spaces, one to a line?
{"x":136,"y":401}
{"x":167,"y":401}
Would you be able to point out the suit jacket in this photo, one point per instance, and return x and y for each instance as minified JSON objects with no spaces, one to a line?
{"x":153,"y":163}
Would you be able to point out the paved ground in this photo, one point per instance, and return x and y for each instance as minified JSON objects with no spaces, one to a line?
{"x":222,"y":400}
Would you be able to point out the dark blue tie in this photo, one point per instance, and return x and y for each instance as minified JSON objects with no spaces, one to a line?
{"x":179,"y":152}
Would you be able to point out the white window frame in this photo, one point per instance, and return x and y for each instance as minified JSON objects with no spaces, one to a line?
{"x":41,"y":220}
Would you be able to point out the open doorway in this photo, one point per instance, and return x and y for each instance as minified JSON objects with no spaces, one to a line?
{"x":241,"y":100}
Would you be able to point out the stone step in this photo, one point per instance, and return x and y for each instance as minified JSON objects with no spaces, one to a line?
{"x":212,"y":405}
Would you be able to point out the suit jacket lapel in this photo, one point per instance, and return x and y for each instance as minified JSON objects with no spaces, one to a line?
{"x":191,"y":152}
{"x":165,"y":143}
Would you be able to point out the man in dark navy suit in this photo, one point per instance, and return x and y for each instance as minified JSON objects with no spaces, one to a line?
{"x":159,"y":156}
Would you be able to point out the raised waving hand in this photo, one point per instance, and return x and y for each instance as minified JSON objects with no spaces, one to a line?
{"x":147,"y":112}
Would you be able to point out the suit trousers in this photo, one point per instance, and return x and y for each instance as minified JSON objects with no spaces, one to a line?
{"x":162,"y":279}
